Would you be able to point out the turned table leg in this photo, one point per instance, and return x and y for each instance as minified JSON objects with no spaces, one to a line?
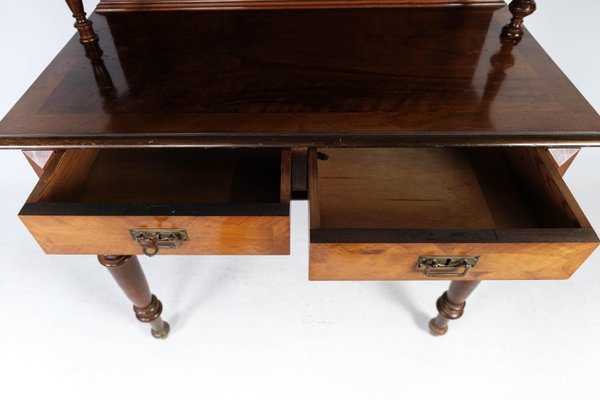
{"x":451,"y":305}
{"x":128,"y":273}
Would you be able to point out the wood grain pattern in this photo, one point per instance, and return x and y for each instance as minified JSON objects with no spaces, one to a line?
{"x":64,"y":176}
{"x":361,"y":232}
{"x":163,"y":5}
{"x":546,"y":188}
{"x":393,"y":188}
{"x":185,"y":176}
{"x":342,"y":83}
{"x":445,"y":188}
{"x":64,"y":234}
{"x":396,"y":261}
{"x":229,"y":201}
{"x":500,"y":188}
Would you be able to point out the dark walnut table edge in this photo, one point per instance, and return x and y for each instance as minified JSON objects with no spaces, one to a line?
{"x":402,"y":139}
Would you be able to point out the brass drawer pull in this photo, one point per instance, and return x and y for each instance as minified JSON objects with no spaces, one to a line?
{"x":152,"y":240}
{"x":446,"y":266}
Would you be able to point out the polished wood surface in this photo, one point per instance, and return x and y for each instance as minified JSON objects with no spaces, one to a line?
{"x":87,"y":36}
{"x":421,"y":74}
{"x":243,"y":235}
{"x":351,"y":77}
{"x":375,"y":211}
{"x":397,"y":261}
{"x":154,"y":5}
{"x":128,"y":273}
{"x":451,"y":305}
{"x":130,"y":277}
{"x":229,"y":201}
{"x":82,"y":24}
{"x":519,"y":9}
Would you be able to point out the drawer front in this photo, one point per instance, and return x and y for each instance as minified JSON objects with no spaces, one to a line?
{"x":238,"y":235}
{"x":391,"y":261}
{"x":375,"y":212}
{"x":227,"y":202}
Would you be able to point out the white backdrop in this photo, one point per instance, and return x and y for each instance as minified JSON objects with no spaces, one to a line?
{"x":254,"y":327}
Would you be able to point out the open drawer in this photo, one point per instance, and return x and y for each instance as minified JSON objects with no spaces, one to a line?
{"x":451,"y":213}
{"x":175,"y":201}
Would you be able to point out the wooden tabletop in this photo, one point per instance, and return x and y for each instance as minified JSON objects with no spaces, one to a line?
{"x":345,"y":77}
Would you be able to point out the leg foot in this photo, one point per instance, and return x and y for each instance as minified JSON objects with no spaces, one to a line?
{"x":435,"y":330}
{"x":162,"y":332}
{"x":128,"y":274}
{"x":451,"y":305}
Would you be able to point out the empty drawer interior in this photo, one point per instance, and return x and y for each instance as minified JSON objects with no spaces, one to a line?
{"x":439,"y":189}
{"x":147,"y":181}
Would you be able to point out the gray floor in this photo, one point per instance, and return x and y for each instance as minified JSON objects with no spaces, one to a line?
{"x":254,"y":327}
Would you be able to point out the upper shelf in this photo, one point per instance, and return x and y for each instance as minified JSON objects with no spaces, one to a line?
{"x":339,"y":77}
{"x":153,"y":5}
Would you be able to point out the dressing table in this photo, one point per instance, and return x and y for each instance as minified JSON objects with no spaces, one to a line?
{"x":429,"y":137}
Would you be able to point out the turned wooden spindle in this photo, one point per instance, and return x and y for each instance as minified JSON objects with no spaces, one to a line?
{"x":87,"y":36}
{"x":89,"y":39}
{"x":519,"y":9}
{"x":128,"y":273}
{"x":451,"y":305}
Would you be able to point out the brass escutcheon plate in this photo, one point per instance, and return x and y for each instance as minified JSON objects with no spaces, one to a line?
{"x":446,"y":266}
{"x":152,"y":240}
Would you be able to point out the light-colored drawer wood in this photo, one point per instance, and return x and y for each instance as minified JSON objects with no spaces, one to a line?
{"x":230,"y":201}
{"x":374,"y":212}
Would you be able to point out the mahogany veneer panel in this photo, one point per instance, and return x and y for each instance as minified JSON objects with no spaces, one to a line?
{"x":302,"y":78}
{"x":229,"y":201}
{"x":375,"y":211}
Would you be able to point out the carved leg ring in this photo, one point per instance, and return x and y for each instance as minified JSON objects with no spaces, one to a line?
{"x":84,"y":26}
{"x":128,"y":274}
{"x":519,"y":9}
{"x":451,"y":305}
